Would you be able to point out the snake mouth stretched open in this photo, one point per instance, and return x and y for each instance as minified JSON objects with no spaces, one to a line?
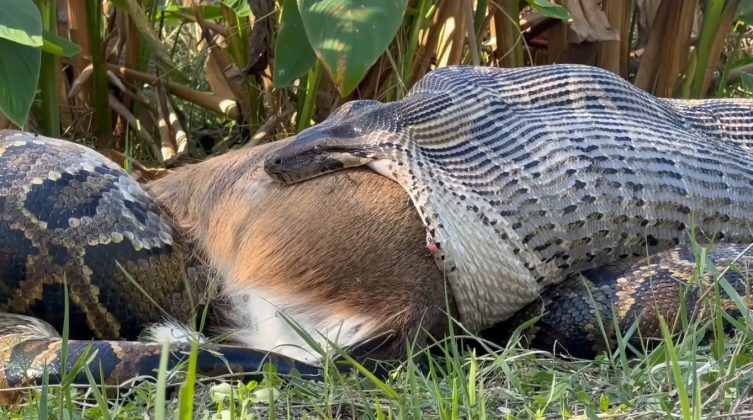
{"x":295,"y":166}
{"x":317,"y":151}
{"x":346,"y":139}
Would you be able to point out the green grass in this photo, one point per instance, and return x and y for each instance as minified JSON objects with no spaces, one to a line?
{"x":684,"y":377}
{"x":684,"y":380}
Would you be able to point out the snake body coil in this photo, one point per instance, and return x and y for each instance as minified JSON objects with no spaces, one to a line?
{"x":526,"y":176}
{"x":71,"y":219}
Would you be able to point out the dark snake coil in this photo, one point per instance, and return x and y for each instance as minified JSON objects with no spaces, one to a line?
{"x":72,"y":220}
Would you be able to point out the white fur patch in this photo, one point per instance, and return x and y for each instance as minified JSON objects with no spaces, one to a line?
{"x":258,"y":317}
{"x":382,"y":167}
{"x":172,"y":332}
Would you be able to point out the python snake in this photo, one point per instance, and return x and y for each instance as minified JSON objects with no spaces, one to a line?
{"x":67,"y":215}
{"x":72,"y":222}
{"x":526,"y":176}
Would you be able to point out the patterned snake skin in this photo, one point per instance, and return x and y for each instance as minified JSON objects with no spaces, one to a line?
{"x":633,"y":291}
{"x":68,"y":214}
{"x":526,"y":176}
{"x":71,"y":218}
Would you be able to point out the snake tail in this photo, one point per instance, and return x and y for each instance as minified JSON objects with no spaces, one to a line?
{"x":31,"y":349}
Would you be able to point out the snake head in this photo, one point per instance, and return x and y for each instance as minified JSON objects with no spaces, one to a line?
{"x":340,"y":142}
{"x":302,"y":160}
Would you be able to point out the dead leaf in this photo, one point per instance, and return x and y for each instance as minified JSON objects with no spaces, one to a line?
{"x":216,"y":79}
{"x":590,"y":23}
{"x":261,"y":36}
{"x":4,"y":121}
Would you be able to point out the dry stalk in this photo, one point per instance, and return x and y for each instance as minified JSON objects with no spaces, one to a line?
{"x":509,"y":50}
{"x":81,"y":82}
{"x":430,"y":41}
{"x":4,"y":122}
{"x":720,"y":37}
{"x":133,"y":122}
{"x":77,"y":31}
{"x":667,"y":49}
{"x":176,"y":126}
{"x":446,"y":50}
{"x":214,"y":103}
{"x":167,"y":142}
{"x":266,"y":130}
{"x":229,"y":71}
{"x":470,"y":35}
{"x":65,"y":109}
{"x":613,"y":55}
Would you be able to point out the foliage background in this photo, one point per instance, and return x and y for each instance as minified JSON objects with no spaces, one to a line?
{"x":168,"y":80}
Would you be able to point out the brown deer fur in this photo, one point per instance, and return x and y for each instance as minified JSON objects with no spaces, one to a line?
{"x":346,"y":247}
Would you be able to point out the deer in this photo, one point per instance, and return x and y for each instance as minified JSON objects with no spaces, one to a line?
{"x":344,"y":256}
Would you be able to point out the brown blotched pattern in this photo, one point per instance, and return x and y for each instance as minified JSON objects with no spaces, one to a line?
{"x":68,"y":215}
{"x":578,"y":316}
{"x":68,"y":218}
{"x":29,"y":348}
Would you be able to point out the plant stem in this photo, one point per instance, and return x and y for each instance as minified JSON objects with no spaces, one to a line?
{"x":509,"y":38}
{"x":733,"y":56}
{"x":102,"y":124}
{"x":312,"y":88}
{"x":711,"y":16}
{"x":719,"y":16}
{"x":48,"y":86}
{"x":410,"y":49}
{"x":236,"y":34}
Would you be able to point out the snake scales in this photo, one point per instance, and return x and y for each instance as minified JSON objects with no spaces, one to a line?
{"x":66,"y":213}
{"x":526,"y":176}
{"x":71,"y":219}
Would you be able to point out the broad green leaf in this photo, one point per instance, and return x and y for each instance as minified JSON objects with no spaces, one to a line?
{"x":744,"y":12}
{"x":240,"y":7}
{"x":746,"y":18}
{"x":348,"y":36}
{"x":58,"y":45}
{"x":293,"y":54}
{"x":18,"y":79}
{"x":175,"y":15}
{"x":548,"y":9}
{"x":744,"y":7}
{"x":746,"y":83}
{"x":743,"y":61}
{"x":21,"y":22}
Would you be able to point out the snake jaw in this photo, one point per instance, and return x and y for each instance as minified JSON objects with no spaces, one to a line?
{"x":318,"y":156}
{"x":300,"y":168}
{"x":297,"y":168}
